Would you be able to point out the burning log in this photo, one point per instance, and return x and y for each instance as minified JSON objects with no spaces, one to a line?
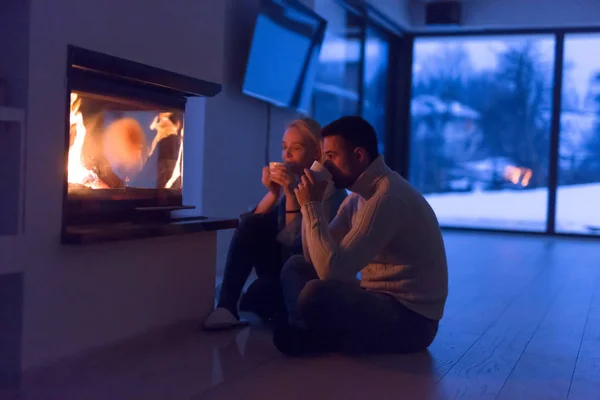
{"x":169,"y":144}
{"x":165,"y":125}
{"x":125,"y":145}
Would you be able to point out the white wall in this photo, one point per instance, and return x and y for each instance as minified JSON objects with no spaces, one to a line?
{"x":79,"y":297}
{"x":236,"y":129}
{"x":519,"y":13}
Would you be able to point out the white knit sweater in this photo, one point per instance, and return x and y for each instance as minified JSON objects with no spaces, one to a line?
{"x":386,"y":230}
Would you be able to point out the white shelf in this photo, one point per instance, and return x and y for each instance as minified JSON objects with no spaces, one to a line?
{"x":11,"y":250}
{"x":10,"y":244}
{"x":8,"y":114}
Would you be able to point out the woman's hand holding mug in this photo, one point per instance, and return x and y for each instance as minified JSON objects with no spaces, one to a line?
{"x":283,"y":177}
{"x":269,"y":183}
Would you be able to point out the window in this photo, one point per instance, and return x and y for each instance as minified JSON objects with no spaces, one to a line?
{"x":578,"y":189}
{"x":336,"y":91}
{"x":480,"y":129}
{"x":375,"y":82}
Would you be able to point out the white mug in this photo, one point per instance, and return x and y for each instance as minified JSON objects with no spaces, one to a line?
{"x":274,"y":164}
{"x":322,"y":174}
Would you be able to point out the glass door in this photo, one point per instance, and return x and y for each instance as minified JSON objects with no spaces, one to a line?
{"x":578,"y":188}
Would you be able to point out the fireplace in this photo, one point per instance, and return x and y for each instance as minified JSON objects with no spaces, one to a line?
{"x":124,"y":141}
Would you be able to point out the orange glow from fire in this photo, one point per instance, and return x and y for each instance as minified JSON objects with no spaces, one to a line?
{"x":124,"y":145}
{"x":178,"y":171}
{"x":518,"y":175}
{"x":77,"y":171}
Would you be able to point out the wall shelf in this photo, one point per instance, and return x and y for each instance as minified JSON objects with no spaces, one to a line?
{"x":12,"y":176}
{"x":8,"y":114}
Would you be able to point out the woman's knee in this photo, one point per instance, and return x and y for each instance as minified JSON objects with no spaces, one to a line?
{"x":253,"y":228}
{"x":294,"y":266}
{"x":250,"y":223}
{"x":313,"y":296}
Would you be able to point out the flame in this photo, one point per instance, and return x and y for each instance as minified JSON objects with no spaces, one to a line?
{"x":165,"y":127}
{"x":77,"y":172}
{"x":177,"y":172}
{"x":526,"y":178}
{"x":518,"y":175}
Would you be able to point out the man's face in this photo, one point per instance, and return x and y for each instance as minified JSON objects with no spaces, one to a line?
{"x":343,"y":161}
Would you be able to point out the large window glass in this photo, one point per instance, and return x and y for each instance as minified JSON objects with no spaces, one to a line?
{"x":352,"y":76}
{"x":336,"y":91}
{"x":578,"y":191}
{"x":376,"y":82}
{"x":480,"y":129}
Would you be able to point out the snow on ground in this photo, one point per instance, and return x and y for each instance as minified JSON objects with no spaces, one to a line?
{"x":578,"y":209}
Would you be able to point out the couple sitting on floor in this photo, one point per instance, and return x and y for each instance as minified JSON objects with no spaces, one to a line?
{"x":308,"y":246}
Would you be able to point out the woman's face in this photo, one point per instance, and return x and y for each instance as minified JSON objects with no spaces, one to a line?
{"x":298,"y":151}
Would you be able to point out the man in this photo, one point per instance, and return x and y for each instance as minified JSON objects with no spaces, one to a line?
{"x":385,"y":230}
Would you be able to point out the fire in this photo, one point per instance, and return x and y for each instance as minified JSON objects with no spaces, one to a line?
{"x":178,"y":168}
{"x":165,"y":127}
{"x":518,"y":175}
{"x":124,"y":146}
{"x":77,"y":172}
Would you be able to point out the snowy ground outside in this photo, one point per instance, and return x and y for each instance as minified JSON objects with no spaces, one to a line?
{"x":578,"y":209}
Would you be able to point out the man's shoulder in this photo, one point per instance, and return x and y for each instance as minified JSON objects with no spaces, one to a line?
{"x":397,"y":191}
{"x":400,"y":195}
{"x":392,"y":185}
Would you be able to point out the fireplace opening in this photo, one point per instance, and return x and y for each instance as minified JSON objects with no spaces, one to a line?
{"x":121,"y":149}
{"x":124,"y":140}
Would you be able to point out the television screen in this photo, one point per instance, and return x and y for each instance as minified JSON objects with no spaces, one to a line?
{"x":284,"y":53}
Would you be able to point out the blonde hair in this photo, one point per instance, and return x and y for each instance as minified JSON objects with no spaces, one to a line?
{"x":312,"y":129}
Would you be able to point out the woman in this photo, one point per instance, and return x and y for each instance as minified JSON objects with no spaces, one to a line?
{"x":269,"y":235}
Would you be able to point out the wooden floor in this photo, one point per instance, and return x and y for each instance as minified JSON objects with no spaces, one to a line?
{"x":523,"y":319}
{"x":522,"y":322}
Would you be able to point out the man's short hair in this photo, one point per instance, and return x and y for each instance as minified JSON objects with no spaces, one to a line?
{"x":356,"y":131}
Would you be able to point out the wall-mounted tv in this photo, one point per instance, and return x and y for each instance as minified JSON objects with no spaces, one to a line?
{"x":284,"y":54}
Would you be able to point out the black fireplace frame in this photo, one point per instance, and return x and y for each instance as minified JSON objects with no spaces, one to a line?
{"x":93,"y":72}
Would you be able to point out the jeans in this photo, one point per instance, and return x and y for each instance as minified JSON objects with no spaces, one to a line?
{"x":349,"y":318}
{"x":253,"y":245}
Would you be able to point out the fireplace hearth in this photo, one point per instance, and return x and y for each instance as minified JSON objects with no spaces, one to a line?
{"x":124,"y":141}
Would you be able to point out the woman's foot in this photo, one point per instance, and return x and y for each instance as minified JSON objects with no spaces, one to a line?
{"x":222,"y":319}
{"x":263,"y":298}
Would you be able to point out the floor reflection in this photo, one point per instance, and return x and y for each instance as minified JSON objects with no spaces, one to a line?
{"x":175,"y":365}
